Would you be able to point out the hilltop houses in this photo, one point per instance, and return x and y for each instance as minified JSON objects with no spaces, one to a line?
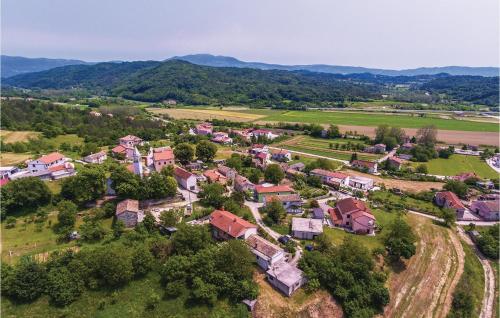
{"x":225,"y":225}
{"x":353,"y":214}
{"x":261,"y":192}
{"x":96,"y":158}
{"x":128,"y":212}
{"x":369,"y":166}
{"x":185,"y":179}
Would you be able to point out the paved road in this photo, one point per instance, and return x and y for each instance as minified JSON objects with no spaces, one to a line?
{"x":254,"y":208}
{"x":490,"y":163}
{"x":390,"y":154}
{"x":310,"y":155}
{"x":489,"y":278}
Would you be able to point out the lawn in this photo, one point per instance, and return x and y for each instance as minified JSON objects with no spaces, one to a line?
{"x":321,"y":147}
{"x":383,"y":218}
{"x":10,"y":158}
{"x":8,"y":136}
{"x":457,"y":164}
{"x":70,"y":139}
{"x":386,"y":197}
{"x":128,"y":301}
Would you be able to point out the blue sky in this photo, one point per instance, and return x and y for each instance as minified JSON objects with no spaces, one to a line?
{"x":373,"y":33}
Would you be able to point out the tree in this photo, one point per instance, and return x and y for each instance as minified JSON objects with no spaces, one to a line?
{"x":204,"y":292}
{"x":254,"y":176}
{"x":449,"y":216}
{"x":354,"y":156}
{"x":88,"y":185}
{"x":427,"y":136}
{"x":184,"y":153}
{"x":125,"y":183}
{"x":118,"y":228}
{"x":114,"y":265}
{"x":400,"y":240}
{"x":170,"y":217}
{"x":274,"y":174}
{"x":212,"y":195}
{"x":89,"y":148}
{"x":234,"y":162}
{"x":238,"y":197}
{"x":457,"y":187}
{"x":28,"y":281}
{"x":275,"y":211}
{"x":158,"y":186}
{"x":63,"y":286}
{"x":142,"y":261}
{"x":25,"y":193}
{"x":205,"y":151}
{"x":149,"y":222}
{"x":389,"y":142}
{"x":333,"y":131}
{"x":190,"y":239}
{"x":67,"y":215}
{"x":421,"y":169}
{"x":10,"y":222}
{"x":91,"y":230}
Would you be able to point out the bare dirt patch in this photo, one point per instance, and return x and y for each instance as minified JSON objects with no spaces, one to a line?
{"x":205,"y":114}
{"x":272,"y":304}
{"x":9,"y":158}
{"x":425,"y":287}
{"x":405,"y":185}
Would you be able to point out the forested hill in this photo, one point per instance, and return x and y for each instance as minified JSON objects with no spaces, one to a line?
{"x":195,"y":84}
{"x":14,"y":65}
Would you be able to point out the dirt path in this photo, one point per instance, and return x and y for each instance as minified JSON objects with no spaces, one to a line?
{"x":272,"y":304}
{"x":425,"y":287}
{"x":489,"y":279}
{"x":405,"y":185}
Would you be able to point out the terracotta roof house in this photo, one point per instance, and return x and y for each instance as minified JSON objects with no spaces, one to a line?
{"x":448,"y":199}
{"x":185,"y":179}
{"x":257,"y":148}
{"x":292,"y":173}
{"x":267,"y":253}
{"x":45,"y":162}
{"x":488,"y":210}
{"x":127,"y":152}
{"x":130,"y":141}
{"x":299,"y":166}
{"x":215,"y":177}
{"x":285,"y":277}
{"x":98,"y":157}
{"x":221,"y":138}
{"x":369,"y":166}
{"x":264,"y":133}
{"x":281,"y":155}
{"x":243,"y":184}
{"x":262,"y":157}
{"x":395,"y":162}
{"x":128,"y":212}
{"x":361,"y":183}
{"x":204,"y":129}
{"x":291,"y":202}
{"x":244,"y":134}
{"x":261,"y":192}
{"x":227,"y":172}
{"x":354,"y":214}
{"x":159,"y":158}
{"x":378,"y":148}
{"x":226,"y":225}
{"x":306,"y":229}
{"x":333,"y":178}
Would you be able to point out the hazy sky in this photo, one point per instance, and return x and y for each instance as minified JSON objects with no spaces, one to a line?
{"x":373,"y":33}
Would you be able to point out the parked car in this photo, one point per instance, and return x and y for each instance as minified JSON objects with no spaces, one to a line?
{"x":284,"y":239}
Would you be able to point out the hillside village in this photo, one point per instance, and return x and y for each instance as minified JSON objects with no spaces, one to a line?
{"x":287,"y":205}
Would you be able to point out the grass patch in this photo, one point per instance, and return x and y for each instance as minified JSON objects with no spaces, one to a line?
{"x":71,"y":139}
{"x":388,"y":198}
{"x":8,"y":136}
{"x":471,"y":283}
{"x":128,"y":301}
{"x":10,"y":158}
{"x":457,"y":164}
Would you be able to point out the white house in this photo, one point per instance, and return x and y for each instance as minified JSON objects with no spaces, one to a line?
{"x":185,"y":179}
{"x":331,"y":177}
{"x":306,"y":229}
{"x":361,"y":183}
{"x":98,"y":157}
{"x":45,"y":162}
{"x":285,"y":277}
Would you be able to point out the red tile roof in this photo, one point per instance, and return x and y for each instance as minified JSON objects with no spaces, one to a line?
{"x":127,"y":205}
{"x":181,"y":173}
{"x":451,"y":198}
{"x":4,"y":182}
{"x":119,"y":149}
{"x":57,"y":168}
{"x":166,"y":154}
{"x":331,"y":174}
{"x":131,"y":138}
{"x":263,"y":246}
{"x":396,"y":159}
{"x":261,"y":155}
{"x":273,"y":189}
{"x":229,"y":223}
{"x":364,"y":163}
{"x":51,"y":157}
{"x":284,"y":198}
{"x":214,"y":176}
{"x":335,"y":215}
{"x":350,"y":205}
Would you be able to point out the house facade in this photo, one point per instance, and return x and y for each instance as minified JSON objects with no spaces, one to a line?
{"x":291,"y":202}
{"x":225,"y":226}
{"x":281,"y":155}
{"x":330,"y":177}
{"x":394,"y":163}
{"x":159,"y":158}
{"x":128,"y":212}
{"x":361,"y":183}
{"x":285,"y":277}
{"x":488,"y":210}
{"x":448,"y":199}
{"x":227,"y":172}
{"x":185,"y":179}
{"x":45,"y":162}
{"x":369,"y":166}
{"x":354,"y":215}
{"x":130,"y":141}
{"x":96,"y":158}
{"x":243,"y":184}
{"x":261,"y":192}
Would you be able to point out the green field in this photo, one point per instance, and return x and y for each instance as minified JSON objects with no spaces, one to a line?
{"x":457,"y":164}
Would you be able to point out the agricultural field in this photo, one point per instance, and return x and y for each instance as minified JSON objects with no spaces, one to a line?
{"x":206,"y":114}
{"x":321,"y":147}
{"x":457,"y":164}
{"x":8,"y":136}
{"x":425,"y":287}
{"x":10,"y":158}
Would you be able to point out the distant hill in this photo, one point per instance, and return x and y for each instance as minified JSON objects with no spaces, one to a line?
{"x":14,"y":65}
{"x":195,"y":84}
{"x":226,"y":61}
